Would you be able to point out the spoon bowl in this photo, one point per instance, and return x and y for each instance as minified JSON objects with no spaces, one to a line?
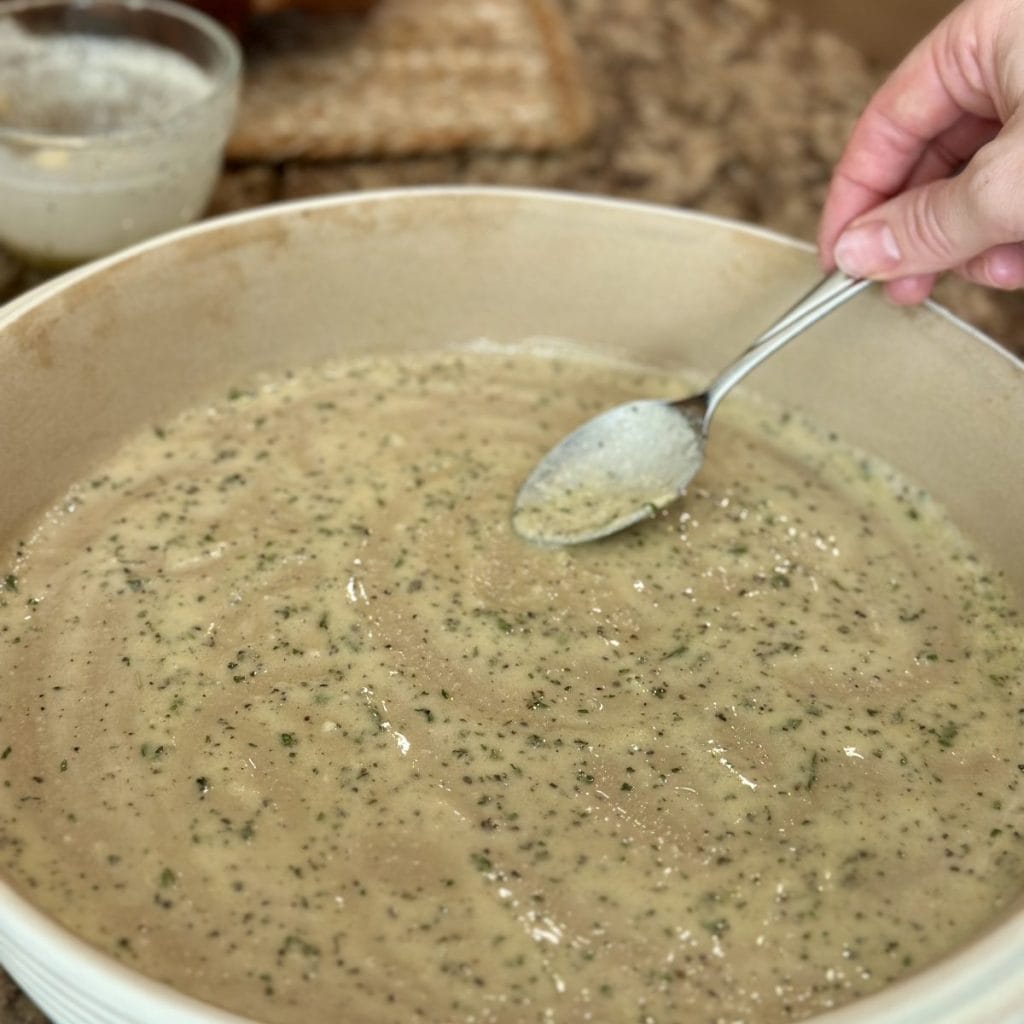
{"x":633,"y":460}
{"x":613,"y":471}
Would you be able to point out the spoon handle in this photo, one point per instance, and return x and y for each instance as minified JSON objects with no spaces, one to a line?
{"x":827,"y":295}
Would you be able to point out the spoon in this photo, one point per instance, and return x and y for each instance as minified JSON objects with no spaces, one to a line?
{"x":627,"y":463}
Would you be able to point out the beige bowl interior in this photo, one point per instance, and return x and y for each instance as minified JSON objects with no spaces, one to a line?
{"x":115,"y":347}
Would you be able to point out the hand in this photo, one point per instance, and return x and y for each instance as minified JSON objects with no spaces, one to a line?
{"x":932,"y":178}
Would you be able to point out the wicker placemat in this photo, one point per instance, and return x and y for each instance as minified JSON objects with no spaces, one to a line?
{"x":413,"y":76}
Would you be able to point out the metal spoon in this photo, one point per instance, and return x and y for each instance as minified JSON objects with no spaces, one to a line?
{"x":626,"y":463}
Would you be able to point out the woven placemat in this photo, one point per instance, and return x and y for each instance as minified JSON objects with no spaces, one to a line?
{"x":411,"y":77}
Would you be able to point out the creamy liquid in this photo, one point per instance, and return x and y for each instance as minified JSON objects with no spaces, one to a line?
{"x":292,"y":719}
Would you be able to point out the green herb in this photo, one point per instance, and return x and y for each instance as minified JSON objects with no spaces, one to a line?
{"x":497,"y":618}
{"x":811,"y":772}
{"x":675,"y":652}
{"x":481,"y":861}
{"x":719,"y":926}
{"x":946,"y":734}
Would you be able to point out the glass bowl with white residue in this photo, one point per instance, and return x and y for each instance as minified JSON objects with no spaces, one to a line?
{"x":113,"y":120}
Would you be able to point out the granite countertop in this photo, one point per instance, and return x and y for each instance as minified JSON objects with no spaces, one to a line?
{"x":728,"y":106}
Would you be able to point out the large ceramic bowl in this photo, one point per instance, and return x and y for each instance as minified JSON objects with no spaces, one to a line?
{"x":98,"y":353}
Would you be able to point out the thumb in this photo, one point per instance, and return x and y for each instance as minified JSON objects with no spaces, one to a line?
{"x":943,"y":224}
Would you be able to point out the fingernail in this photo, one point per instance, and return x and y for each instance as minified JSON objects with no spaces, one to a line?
{"x":868,"y":250}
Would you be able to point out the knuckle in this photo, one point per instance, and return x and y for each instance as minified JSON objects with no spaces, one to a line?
{"x":992,"y":195}
{"x":929,"y":228}
{"x":951,"y":221}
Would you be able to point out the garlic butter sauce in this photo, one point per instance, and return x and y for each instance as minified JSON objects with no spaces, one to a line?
{"x":292,"y":720}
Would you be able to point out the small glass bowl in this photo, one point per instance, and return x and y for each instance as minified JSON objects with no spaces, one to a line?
{"x":113,"y":119}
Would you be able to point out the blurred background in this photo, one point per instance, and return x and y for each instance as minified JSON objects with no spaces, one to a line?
{"x":735,"y":107}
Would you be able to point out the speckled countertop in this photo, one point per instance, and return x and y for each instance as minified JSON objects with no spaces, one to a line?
{"x":727,"y":106}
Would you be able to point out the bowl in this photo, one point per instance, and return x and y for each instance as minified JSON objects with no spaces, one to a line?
{"x":109,"y":349}
{"x":113,"y":119}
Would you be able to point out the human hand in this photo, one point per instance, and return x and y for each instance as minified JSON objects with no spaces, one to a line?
{"x":932,"y":178}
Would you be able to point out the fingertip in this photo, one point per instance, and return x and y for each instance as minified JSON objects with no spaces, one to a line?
{"x":1000,"y":267}
{"x":910,"y":291}
{"x":824,"y":244}
{"x":846,"y":201}
{"x":868,"y":249}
